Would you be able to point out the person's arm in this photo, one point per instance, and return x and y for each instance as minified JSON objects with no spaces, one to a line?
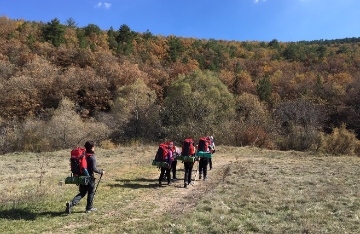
{"x":93,"y":165}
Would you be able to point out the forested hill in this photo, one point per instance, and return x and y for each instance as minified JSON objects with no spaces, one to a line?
{"x":278,"y":89}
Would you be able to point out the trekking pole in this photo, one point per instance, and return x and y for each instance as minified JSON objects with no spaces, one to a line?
{"x":197,"y":171}
{"x":96,"y":189}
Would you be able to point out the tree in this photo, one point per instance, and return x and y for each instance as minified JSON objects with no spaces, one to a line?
{"x":197,"y":104}
{"x":136,"y":113}
{"x":71,"y":23}
{"x":54,"y":32}
{"x":264,"y":89}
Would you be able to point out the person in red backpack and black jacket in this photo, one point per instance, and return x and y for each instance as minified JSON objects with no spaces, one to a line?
{"x":166,"y":170}
{"x":203,"y":163}
{"x":89,"y":188}
{"x":188,"y":166}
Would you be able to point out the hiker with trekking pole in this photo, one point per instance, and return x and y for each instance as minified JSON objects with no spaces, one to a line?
{"x":88,"y":188}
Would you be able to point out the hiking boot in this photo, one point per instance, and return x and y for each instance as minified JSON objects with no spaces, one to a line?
{"x":91,"y":210}
{"x":191,"y":183}
{"x":205,"y":178}
{"x":175,"y":178}
{"x":169,"y":183}
{"x":69,"y":207}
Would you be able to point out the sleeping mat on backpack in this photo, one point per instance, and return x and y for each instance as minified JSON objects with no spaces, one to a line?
{"x":203,"y":154}
{"x":84,"y":180}
{"x":186,"y":158}
{"x":160,"y":164}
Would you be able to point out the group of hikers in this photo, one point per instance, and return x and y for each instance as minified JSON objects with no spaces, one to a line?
{"x":84,"y":165}
{"x":189,"y":150}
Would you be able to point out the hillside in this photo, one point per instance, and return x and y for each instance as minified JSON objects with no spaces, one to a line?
{"x":140,"y":87}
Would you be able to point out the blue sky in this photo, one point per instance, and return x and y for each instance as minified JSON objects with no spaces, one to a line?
{"x":239,"y":20}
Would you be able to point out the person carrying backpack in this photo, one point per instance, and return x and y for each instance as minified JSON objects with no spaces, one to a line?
{"x":166,"y":170}
{"x":212,"y":149}
{"x":175,"y":152}
{"x":88,"y":189}
{"x":203,"y":163}
{"x":188,"y":149}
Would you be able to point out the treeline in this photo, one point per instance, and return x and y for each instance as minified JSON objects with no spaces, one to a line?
{"x":61,"y":84}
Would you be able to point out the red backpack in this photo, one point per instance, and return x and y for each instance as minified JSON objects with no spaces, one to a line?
{"x":203,"y":144}
{"x":188,"y":147}
{"x":78,"y":161}
{"x":161,"y":153}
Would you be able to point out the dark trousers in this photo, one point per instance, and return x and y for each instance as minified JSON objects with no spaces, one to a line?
{"x":188,"y":171}
{"x":173,"y":168}
{"x":83,"y":189}
{"x":164,"y":171}
{"x":203,"y":163}
{"x":210,"y":163}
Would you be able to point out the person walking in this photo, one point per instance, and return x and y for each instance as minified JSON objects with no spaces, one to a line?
{"x":88,"y":189}
{"x":188,"y":166}
{"x":166,"y":170}
{"x":176,"y":152}
{"x":212,"y":149}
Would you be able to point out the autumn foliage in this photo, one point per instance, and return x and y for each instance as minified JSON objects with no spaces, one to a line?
{"x":140,"y":87}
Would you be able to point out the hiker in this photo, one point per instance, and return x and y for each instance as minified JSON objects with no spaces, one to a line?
{"x":89,"y":188}
{"x":176,"y":152}
{"x":166,"y":170}
{"x":188,"y":149}
{"x":212,"y":149}
{"x":203,"y":163}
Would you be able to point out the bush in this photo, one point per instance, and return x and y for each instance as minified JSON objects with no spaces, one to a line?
{"x":340,"y":141}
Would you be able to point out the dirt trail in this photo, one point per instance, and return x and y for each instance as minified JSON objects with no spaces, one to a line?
{"x":182,"y":200}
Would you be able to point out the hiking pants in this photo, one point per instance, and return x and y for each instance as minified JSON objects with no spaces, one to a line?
{"x":203,"y":163}
{"x":210,"y":163}
{"x":163,"y":172}
{"x":83,"y":189}
{"x":188,"y":172}
{"x":173,"y":168}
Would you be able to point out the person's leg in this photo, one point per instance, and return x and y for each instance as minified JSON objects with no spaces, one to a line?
{"x":168,"y":176}
{"x":91,"y":193}
{"x":82,"y":192}
{"x":205,"y":168}
{"x":210,"y":163}
{"x":191,"y":165}
{"x":173,"y":167}
{"x":186,"y":166}
{"x":162,"y":173}
{"x":201,"y":165}
{"x":76,"y":199}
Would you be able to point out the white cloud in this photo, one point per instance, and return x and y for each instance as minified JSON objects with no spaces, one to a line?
{"x":256,"y":1}
{"x":103,"y":5}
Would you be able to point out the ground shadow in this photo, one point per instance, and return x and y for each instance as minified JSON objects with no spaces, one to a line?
{"x":26,"y":214}
{"x":134,"y":185}
{"x":136,"y":180}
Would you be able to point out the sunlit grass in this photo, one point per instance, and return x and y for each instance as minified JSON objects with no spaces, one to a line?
{"x":250,"y":191}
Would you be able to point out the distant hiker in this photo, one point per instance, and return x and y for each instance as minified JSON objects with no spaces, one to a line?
{"x":89,"y":188}
{"x":166,"y":170}
{"x":176,"y":152}
{"x":212,"y":149}
{"x":203,"y":163}
{"x":188,"y":149}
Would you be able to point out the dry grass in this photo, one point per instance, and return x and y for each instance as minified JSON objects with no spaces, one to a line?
{"x":250,"y":191}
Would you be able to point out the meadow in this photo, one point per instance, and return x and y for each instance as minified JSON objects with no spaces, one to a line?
{"x":250,"y":190}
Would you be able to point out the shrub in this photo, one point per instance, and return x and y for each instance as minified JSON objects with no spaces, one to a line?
{"x":340,"y":141}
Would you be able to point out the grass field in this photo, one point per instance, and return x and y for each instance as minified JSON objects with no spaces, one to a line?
{"x":249,"y":191}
